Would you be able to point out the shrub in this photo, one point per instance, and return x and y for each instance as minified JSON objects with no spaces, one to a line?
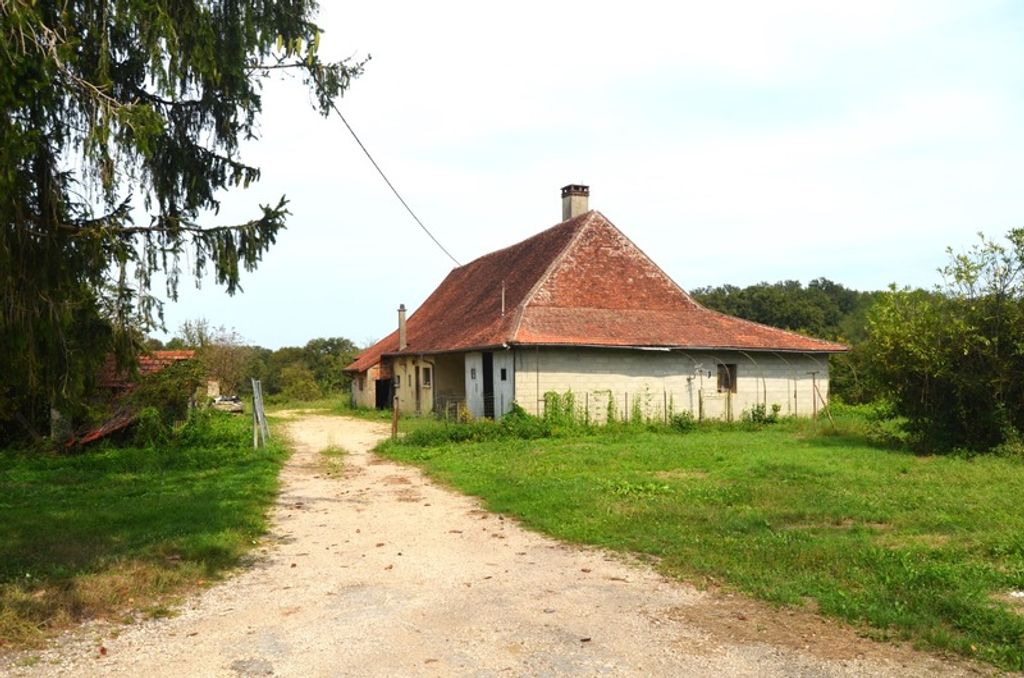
{"x":758,"y":414}
{"x":206,"y":428}
{"x":682,"y":422}
{"x":150,"y":428}
{"x":298,"y":383}
{"x":169,"y":391}
{"x":950,"y":359}
{"x":560,"y":408}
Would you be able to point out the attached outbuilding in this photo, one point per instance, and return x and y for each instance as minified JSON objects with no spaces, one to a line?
{"x":579,"y":308}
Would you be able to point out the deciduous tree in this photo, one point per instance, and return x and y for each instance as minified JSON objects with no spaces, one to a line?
{"x":952,"y":360}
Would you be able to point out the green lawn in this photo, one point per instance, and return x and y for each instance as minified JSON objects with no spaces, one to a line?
{"x":114,"y":529}
{"x":919,"y":547}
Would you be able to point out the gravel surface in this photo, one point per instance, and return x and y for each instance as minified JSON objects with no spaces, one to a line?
{"x":380,"y":572}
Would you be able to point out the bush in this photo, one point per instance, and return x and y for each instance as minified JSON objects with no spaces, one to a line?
{"x":560,"y":408}
{"x":950,"y":360}
{"x":150,"y":428}
{"x":169,"y":391}
{"x":208,"y":428}
{"x":682,"y":422}
{"x":298,"y":383}
{"x":758,"y":414}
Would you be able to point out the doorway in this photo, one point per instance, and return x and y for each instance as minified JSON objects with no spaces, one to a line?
{"x":382,"y":394}
{"x":488,"y":369}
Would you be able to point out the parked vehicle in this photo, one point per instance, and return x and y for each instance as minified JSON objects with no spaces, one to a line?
{"x":231,"y":404}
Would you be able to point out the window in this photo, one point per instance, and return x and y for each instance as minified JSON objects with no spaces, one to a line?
{"x":398,"y":380}
{"x":472,"y":373}
{"x":426,"y":377}
{"x":727,"y":378}
{"x":504,"y":374}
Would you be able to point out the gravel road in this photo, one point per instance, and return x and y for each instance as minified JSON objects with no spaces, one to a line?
{"x":380,"y":572}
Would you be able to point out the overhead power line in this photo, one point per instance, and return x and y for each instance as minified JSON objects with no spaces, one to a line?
{"x":391,"y":186}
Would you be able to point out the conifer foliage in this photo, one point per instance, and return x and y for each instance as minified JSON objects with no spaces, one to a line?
{"x":112,"y":109}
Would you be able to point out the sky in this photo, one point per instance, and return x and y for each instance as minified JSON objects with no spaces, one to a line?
{"x":733,"y":142}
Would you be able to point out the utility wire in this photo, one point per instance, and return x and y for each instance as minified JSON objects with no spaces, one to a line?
{"x":391,"y":186}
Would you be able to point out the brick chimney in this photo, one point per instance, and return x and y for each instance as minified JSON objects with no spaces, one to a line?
{"x":401,"y":327}
{"x":574,"y":200}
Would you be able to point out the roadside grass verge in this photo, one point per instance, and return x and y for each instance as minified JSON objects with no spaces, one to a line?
{"x":117,"y":531}
{"x":924,"y":548}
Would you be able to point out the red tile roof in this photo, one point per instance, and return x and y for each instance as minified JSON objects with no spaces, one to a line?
{"x":579,"y":283}
{"x":149,"y":363}
{"x":123,"y":383}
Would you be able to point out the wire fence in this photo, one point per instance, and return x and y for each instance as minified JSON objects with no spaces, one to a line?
{"x":603,"y":406}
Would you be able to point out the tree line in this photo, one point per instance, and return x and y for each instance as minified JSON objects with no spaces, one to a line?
{"x":307,"y":372}
{"x":949,"y":360}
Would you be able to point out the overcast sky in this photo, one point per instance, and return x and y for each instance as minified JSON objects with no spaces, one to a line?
{"x":734,"y":142}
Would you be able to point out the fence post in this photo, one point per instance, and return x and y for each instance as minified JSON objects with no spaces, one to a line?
{"x":814,"y":389}
{"x":260,"y":428}
{"x":394,"y":418}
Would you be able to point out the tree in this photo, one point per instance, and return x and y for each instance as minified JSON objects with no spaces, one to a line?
{"x":952,"y":360}
{"x":322,"y":360}
{"x":224,"y":355}
{"x":819,"y":309}
{"x":327,"y":358}
{"x":298,"y":384}
{"x":108,"y":101}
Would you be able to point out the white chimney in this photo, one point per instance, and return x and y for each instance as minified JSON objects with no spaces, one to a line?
{"x":401,"y":327}
{"x":574,"y":200}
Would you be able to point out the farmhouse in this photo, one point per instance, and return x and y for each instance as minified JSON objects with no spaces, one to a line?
{"x":578,"y":307}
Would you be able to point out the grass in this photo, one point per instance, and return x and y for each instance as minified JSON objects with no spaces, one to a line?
{"x":113,"y":531}
{"x":912,"y":547}
{"x":332,"y":461}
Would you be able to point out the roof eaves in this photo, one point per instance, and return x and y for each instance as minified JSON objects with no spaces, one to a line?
{"x":680,"y":347}
{"x":779,"y":329}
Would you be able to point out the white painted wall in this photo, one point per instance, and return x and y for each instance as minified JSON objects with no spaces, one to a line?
{"x":475,"y":384}
{"x":504,"y":391}
{"x":663,"y":381}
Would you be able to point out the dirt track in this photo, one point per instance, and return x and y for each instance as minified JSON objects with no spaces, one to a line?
{"x":381,"y":572}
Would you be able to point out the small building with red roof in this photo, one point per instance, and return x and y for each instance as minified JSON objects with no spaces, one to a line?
{"x":579,"y":307}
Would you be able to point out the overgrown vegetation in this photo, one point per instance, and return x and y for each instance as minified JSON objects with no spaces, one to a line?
{"x":952,"y":361}
{"x":949,"y":360}
{"x":117,"y":532}
{"x":563,"y":418}
{"x":927,"y":548}
{"x":290,"y":373}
